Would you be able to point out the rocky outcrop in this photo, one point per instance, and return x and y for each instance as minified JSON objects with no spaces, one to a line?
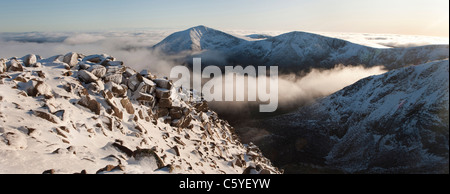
{"x":103,"y":110}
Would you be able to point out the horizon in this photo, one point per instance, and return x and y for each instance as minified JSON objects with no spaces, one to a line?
{"x":419,"y":17}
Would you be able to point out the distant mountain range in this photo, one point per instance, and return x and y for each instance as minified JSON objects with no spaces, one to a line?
{"x":290,"y":51}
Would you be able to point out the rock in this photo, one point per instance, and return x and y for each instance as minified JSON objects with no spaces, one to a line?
{"x":71,"y":59}
{"x":3,"y":65}
{"x":123,"y":149}
{"x":98,"y":70}
{"x":163,"y":83}
{"x":84,"y":65}
{"x":165,"y":103}
{"x":265,"y":171}
{"x":145,"y":99}
{"x":113,"y":77}
{"x":116,"y":89}
{"x":146,"y":86}
{"x":46,"y":116}
{"x":110,"y":168}
{"x":40,"y":74}
{"x":117,"y":112}
{"x":176,"y":113}
{"x":186,"y":122}
{"x":37,"y":64}
{"x":202,"y":106}
{"x":176,"y":150}
{"x":140,"y":154}
{"x":162,"y":93}
{"x":86,"y":76}
{"x":51,"y":171}
{"x":14,"y":65}
{"x":169,"y":168}
{"x":126,"y":103}
{"x":178,"y":140}
{"x":91,"y":104}
{"x":114,"y":63}
{"x":162,"y":112}
{"x":250,"y":170}
{"x":29,"y":60}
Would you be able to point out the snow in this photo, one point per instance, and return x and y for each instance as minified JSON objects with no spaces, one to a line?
{"x":81,"y":139}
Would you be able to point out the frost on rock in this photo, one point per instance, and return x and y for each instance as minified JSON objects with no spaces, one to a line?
{"x":99,"y":116}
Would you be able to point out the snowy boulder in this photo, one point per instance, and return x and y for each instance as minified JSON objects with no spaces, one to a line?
{"x":114,"y":77}
{"x":146,"y":86}
{"x":90,"y":103}
{"x":134,"y":81}
{"x":86,"y":76}
{"x":163,"y":83}
{"x":14,"y":65}
{"x":29,"y":60}
{"x":116,"y":89}
{"x":71,"y":59}
{"x":144,"y":99}
{"x":35,"y":88}
{"x":2,"y":65}
{"x":97,"y":70}
{"x":149,"y":154}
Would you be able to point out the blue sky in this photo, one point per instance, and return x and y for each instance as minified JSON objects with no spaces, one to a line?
{"x":420,"y":17}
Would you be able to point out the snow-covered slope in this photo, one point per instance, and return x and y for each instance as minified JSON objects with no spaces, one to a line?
{"x":397,"y":122}
{"x":291,"y":51}
{"x":66,"y":114}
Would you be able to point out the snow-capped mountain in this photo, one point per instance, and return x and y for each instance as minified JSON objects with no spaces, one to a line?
{"x":290,"y":51}
{"x":92,"y":114}
{"x":397,"y":122}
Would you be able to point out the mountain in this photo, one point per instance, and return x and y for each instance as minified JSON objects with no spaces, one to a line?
{"x":397,"y":122}
{"x":92,"y":114}
{"x":293,"y":51}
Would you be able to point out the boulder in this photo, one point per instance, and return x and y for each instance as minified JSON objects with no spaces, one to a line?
{"x":126,"y":103}
{"x":113,"y":77}
{"x":2,"y":65}
{"x":29,"y":60}
{"x":51,"y":171}
{"x":36,"y":88}
{"x":14,"y":65}
{"x":140,"y":154}
{"x":46,"y":116}
{"x":90,"y":103}
{"x":71,"y":59}
{"x":165,"y":103}
{"x":123,"y":149}
{"x":176,"y":113}
{"x":114,"y":63}
{"x":163,"y":83}
{"x":145,"y":99}
{"x":162,"y":93}
{"x":202,"y":106}
{"x":98,"y":70}
{"x":86,"y":76}
{"x":162,"y":112}
{"x":110,"y":168}
{"x":146,"y":86}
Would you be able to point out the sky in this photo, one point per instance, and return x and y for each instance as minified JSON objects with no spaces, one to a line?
{"x":411,"y":17}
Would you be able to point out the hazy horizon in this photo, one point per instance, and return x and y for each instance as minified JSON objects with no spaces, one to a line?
{"x":405,"y":17}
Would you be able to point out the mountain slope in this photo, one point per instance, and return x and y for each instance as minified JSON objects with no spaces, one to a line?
{"x":291,"y":51}
{"x":396,"y":122}
{"x":92,"y":114}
